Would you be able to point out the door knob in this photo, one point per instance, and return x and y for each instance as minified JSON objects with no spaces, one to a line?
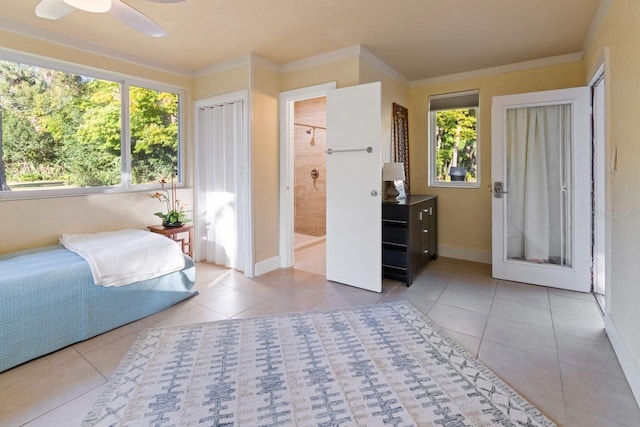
{"x":498,"y":190}
{"x":374,"y":193}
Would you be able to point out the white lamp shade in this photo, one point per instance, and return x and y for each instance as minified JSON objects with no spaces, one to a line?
{"x":96,"y":6}
{"x":393,"y":171}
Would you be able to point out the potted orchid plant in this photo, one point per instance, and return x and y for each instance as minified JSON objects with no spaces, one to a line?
{"x":175,"y":215}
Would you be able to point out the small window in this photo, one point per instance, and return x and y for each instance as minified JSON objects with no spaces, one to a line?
{"x":454,"y":149}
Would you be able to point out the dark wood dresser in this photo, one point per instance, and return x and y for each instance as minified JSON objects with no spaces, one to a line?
{"x":409,"y":236}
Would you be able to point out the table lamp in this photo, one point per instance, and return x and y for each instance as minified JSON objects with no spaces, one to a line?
{"x":392,"y":172}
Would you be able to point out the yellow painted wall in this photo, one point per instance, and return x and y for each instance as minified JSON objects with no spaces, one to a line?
{"x":265,"y":150}
{"x":32,"y":223}
{"x":393,"y":90}
{"x":464,"y":215}
{"x":264,"y":86}
{"x":620,"y":32}
{"x":222,"y":82}
{"x":344,"y":72}
{"x":40,"y":222}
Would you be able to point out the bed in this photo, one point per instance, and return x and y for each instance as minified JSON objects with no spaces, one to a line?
{"x":48,"y":300}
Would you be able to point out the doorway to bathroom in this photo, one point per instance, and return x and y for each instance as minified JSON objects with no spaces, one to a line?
{"x":303,"y":133}
{"x":353,"y":209}
{"x":309,"y":180}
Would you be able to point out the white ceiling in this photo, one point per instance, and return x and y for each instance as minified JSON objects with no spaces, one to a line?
{"x":418,"y":38}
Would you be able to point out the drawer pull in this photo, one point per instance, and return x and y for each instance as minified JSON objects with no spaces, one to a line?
{"x":426,"y":230}
{"x":426,"y":251}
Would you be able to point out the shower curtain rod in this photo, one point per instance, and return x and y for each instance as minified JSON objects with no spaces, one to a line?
{"x":310,"y":126}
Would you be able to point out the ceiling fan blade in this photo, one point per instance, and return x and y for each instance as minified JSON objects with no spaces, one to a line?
{"x":93,"y":6}
{"x":135,"y":19}
{"x":53,"y":9}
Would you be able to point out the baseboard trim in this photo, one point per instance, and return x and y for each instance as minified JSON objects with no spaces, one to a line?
{"x":465,"y":254}
{"x":631,"y":371}
{"x":267,"y":265}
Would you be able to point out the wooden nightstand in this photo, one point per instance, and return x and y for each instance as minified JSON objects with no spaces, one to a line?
{"x":174,"y":233}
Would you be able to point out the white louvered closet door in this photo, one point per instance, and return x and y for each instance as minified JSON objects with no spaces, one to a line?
{"x":222,"y":133}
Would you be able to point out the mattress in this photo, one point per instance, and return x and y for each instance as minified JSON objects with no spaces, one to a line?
{"x":48,"y":300}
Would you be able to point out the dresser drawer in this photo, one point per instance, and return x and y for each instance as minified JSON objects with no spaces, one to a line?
{"x":393,"y":213}
{"x":394,"y":234}
{"x":426,"y":250}
{"x":394,"y":258}
{"x":424,"y":235}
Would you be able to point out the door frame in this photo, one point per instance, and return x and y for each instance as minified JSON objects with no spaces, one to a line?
{"x":601,"y":192}
{"x":245,"y":196}
{"x":287,"y":220}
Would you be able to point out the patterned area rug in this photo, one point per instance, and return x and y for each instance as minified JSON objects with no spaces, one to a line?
{"x":379,"y":365}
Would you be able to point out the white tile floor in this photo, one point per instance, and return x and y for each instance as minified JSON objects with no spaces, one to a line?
{"x":311,"y":257}
{"x":303,"y":241}
{"x":549,"y":345}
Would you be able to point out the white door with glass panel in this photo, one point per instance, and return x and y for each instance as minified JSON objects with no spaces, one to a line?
{"x":541,"y":173}
{"x":354,"y":203}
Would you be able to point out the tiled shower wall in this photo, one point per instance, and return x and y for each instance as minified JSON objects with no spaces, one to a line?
{"x":310,"y":195}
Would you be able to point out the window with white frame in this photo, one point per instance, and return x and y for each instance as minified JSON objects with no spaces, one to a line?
{"x":454,"y":148}
{"x":80,"y":131}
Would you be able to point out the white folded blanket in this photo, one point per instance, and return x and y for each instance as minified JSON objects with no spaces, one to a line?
{"x":119,"y":258}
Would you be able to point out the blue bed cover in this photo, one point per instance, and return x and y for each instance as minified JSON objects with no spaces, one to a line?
{"x":48,"y":300}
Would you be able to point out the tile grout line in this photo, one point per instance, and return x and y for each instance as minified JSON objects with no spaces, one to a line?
{"x":555,"y":340}
{"x":65,"y":403}
{"x":484,"y":330}
{"x":447,"y":282}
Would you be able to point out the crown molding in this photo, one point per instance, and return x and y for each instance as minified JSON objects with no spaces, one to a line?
{"x":321,"y":59}
{"x":229,"y":64}
{"x":518,"y":66}
{"x":380,"y":64}
{"x":595,"y":24}
{"x":238,"y":61}
{"x":62,"y":40}
{"x":339,"y":55}
{"x":265,"y":63}
{"x":313,"y":61}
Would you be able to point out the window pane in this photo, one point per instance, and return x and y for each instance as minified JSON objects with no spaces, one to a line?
{"x":154,"y":134}
{"x":455,"y":138}
{"x":59,"y":130}
{"x":538,"y":142}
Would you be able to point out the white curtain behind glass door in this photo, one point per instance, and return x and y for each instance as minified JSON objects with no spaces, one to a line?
{"x":538,"y":224}
{"x":222,"y":133}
